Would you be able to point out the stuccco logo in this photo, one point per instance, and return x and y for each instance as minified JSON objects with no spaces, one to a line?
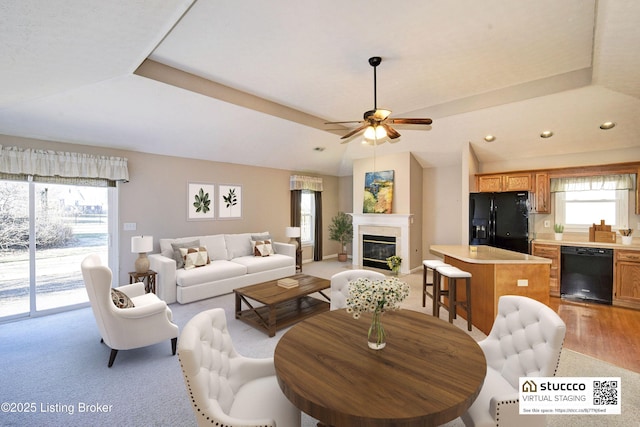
{"x":530,"y":386}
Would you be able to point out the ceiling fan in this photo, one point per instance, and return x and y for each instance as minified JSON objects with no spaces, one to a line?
{"x":376,"y":123}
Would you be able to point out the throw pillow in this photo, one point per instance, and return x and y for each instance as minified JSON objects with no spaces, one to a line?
{"x":176,"y":251}
{"x":195,"y":257}
{"x":120,"y":299}
{"x":262,"y":248}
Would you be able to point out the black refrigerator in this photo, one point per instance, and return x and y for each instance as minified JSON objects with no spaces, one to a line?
{"x":500,"y":220}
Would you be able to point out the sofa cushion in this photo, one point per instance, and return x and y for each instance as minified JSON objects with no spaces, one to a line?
{"x":216,"y":246}
{"x":216,"y":270}
{"x":165,"y":244}
{"x":194,"y":257}
{"x":255,"y":264}
{"x":238,"y":245}
{"x":176,"y":246}
{"x":262,"y":247}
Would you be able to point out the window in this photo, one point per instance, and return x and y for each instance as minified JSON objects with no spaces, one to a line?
{"x":578,"y":210}
{"x":307,"y":217}
{"x":46,"y":231}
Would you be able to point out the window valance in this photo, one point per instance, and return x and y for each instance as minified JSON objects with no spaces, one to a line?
{"x":19,"y":161}
{"x":301,"y":182}
{"x":586,"y":183}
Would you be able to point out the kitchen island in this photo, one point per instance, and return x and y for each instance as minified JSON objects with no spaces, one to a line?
{"x":496,"y":272}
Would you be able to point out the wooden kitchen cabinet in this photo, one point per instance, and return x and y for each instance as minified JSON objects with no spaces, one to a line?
{"x":489,"y":183}
{"x":627,"y":278}
{"x":517,"y":182}
{"x":504,"y":182}
{"x":551,"y":252}
{"x":542,"y":195}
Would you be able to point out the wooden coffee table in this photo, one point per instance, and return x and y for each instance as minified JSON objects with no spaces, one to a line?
{"x":280,"y":307}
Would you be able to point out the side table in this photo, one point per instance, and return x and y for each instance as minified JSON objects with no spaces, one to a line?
{"x":148,"y":278}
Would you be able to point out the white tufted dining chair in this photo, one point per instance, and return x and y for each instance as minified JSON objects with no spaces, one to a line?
{"x":225,"y":388}
{"x":525,"y":341}
{"x":340,"y":285}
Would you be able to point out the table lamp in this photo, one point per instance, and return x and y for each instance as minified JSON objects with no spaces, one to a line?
{"x":141,"y":245}
{"x":293,"y":233}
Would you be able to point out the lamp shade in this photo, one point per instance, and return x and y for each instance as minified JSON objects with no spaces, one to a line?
{"x":292,"y":232}
{"x":141,"y":244}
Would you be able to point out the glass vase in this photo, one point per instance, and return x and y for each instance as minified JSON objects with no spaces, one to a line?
{"x":377,"y":338}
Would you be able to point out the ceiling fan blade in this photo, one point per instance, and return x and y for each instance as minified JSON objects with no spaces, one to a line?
{"x":403,"y":121}
{"x":391,"y":132}
{"x":339,"y":123}
{"x":356,"y":130}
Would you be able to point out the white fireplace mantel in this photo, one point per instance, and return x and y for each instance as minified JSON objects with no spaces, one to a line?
{"x":382,"y":224}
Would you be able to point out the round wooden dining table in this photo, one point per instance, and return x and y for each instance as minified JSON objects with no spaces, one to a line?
{"x":429,"y":373}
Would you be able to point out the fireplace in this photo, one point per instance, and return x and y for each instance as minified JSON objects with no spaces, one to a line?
{"x":382,"y":226}
{"x":376,"y":250}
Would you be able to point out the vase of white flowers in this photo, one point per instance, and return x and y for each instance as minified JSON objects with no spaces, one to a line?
{"x":376,"y":297}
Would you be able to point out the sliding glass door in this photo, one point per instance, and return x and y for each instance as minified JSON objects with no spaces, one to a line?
{"x":46,"y":231}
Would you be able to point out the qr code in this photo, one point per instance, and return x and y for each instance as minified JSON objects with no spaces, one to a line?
{"x":605,"y":392}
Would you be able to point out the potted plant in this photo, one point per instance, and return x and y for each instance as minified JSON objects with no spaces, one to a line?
{"x":394,"y":263}
{"x":341,"y":230}
{"x":558,"y":229}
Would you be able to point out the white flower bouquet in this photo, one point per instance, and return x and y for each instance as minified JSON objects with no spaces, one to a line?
{"x":366,"y":295}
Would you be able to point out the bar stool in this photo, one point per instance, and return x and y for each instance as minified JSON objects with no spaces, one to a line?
{"x":452,"y":275}
{"x":429,"y":264}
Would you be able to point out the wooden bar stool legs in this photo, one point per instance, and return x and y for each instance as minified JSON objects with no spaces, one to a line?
{"x":429,"y":264}
{"x":452,"y":275}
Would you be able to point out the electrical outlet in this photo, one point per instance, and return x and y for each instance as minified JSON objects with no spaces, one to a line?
{"x":523,"y":282}
{"x":129,"y":226}
{"x":547,"y":223}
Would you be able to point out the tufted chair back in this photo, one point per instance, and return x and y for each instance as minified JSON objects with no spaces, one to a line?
{"x":340,"y":285}
{"x":525,"y":340}
{"x":225,"y":388}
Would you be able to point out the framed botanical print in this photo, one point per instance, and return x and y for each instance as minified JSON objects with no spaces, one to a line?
{"x":200,"y":198}
{"x":229,"y":201}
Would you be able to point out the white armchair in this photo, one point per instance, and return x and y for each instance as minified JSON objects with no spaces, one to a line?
{"x":147,"y":322}
{"x":340,"y":285}
{"x":225,"y":388}
{"x":525,"y":341}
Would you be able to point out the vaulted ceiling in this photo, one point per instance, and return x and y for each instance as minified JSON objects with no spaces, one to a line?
{"x":253,"y":82}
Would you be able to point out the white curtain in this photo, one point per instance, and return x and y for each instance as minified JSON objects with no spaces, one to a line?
{"x":301,"y":182}
{"x":19,"y":161}
{"x":586,"y":183}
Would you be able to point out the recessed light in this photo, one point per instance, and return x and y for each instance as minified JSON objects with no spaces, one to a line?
{"x":319,"y":149}
{"x":546,"y":134}
{"x":489,"y":138}
{"x":607,"y":125}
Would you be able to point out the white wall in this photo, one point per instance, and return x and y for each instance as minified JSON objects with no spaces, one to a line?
{"x":442,"y":207}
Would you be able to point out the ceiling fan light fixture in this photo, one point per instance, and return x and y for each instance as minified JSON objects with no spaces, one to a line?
{"x":607,"y":125}
{"x":375,"y":133}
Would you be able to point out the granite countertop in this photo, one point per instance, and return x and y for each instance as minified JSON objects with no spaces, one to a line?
{"x":581,"y":239}
{"x":486,"y":255}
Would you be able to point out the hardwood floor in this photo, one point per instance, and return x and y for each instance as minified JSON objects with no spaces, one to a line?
{"x":602,"y":331}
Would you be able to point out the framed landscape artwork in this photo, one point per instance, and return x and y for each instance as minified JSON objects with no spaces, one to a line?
{"x":229,"y":201}
{"x":200,"y":201}
{"x":378,"y":192}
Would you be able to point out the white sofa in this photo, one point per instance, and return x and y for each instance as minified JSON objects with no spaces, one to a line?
{"x":232,"y":265}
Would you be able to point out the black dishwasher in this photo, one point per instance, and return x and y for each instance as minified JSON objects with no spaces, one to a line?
{"x":586,"y":274}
